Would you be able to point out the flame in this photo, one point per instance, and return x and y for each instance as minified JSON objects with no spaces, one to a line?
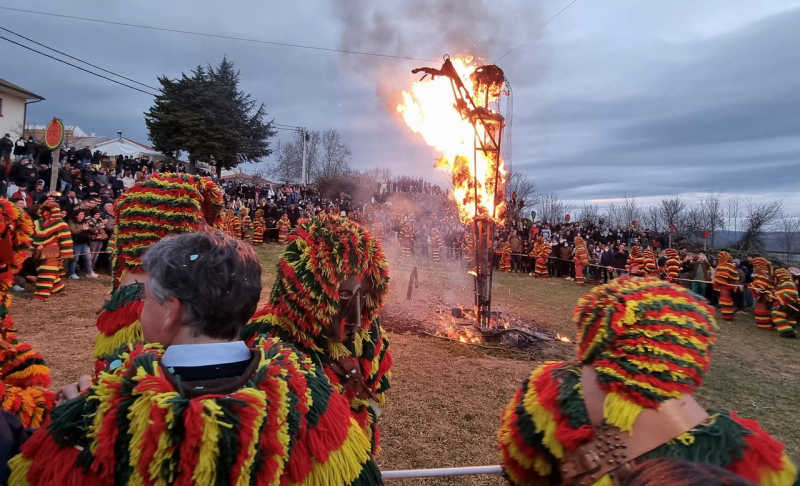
{"x":473,"y":273}
{"x":428,"y":109}
{"x":564,"y":339}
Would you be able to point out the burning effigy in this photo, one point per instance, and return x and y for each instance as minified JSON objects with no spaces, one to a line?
{"x":468,"y":134}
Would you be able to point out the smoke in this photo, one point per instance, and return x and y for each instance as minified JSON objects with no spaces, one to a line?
{"x":426,"y":29}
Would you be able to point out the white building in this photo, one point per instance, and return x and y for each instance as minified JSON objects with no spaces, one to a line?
{"x":13,"y":106}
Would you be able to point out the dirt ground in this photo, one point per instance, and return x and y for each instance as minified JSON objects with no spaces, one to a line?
{"x":446,"y":398}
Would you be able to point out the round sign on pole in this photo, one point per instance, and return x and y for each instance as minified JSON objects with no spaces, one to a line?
{"x":672,"y":228}
{"x":54,"y":134}
{"x":705,"y":234}
{"x":567,"y":218}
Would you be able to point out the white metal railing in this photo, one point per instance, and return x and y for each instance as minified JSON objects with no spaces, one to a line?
{"x":445,"y":471}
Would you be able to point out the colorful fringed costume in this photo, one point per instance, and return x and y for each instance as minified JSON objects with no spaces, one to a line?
{"x":672,"y":267}
{"x":258,"y":228}
{"x":762,"y":287}
{"x":283,"y":225}
{"x":140,"y":424}
{"x":644,"y":342}
{"x":24,"y":376}
{"x":541,"y":252}
{"x":726,"y":280}
{"x":786,"y":306}
{"x":164,"y":205}
{"x":52,"y":243}
{"x":406,"y":237}
{"x":317,"y":258}
{"x":635,"y":265}
{"x":247,"y":225}
{"x":581,"y":259}
{"x":650,"y":263}
{"x":436,"y":244}
{"x":505,"y":257}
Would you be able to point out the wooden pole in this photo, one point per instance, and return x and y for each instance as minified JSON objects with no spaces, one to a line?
{"x":54,"y":168}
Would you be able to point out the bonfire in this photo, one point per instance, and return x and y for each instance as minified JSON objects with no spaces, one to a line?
{"x":468,"y":134}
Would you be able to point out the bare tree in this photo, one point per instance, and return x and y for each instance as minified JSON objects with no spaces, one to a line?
{"x":732,"y":212}
{"x":520,"y":194}
{"x":613,"y":215}
{"x":713,"y":217}
{"x":692,"y":223}
{"x":629,"y":211}
{"x":760,"y":215}
{"x":589,"y":213}
{"x":289,"y":156}
{"x":334,"y":156}
{"x":651,"y":218}
{"x":670,"y":211}
{"x":552,"y":209}
{"x":789,"y":228}
{"x":378,"y":175}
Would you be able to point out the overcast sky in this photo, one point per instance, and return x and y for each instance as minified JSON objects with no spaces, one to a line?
{"x":610,"y":99}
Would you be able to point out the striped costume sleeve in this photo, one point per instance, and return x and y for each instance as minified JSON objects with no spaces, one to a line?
{"x":65,"y":240}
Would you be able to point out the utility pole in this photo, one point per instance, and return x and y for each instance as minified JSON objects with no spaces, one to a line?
{"x":304,"y":177}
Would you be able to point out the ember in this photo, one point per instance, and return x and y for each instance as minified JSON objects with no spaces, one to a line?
{"x":469,"y":139}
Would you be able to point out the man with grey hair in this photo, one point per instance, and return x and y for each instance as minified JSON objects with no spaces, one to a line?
{"x":208,"y":409}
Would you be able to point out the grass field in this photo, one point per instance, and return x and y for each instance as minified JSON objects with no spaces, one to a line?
{"x":446,"y":398}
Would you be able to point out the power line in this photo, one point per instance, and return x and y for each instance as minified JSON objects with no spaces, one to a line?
{"x":79,"y":60}
{"x":77,"y":67}
{"x":283,"y":126}
{"x":217,"y":36}
{"x":532,"y":33}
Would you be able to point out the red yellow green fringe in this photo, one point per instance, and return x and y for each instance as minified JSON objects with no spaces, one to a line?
{"x":134,"y":426}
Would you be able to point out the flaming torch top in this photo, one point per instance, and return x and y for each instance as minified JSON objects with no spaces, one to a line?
{"x":468,"y":136}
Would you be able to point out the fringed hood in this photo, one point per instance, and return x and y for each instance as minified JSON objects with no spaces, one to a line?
{"x":648,"y":340}
{"x":168,"y":203}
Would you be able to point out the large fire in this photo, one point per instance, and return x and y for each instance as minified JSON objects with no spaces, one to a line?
{"x":428,"y":109}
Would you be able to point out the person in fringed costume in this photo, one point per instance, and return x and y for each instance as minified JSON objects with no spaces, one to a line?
{"x":283,"y":225}
{"x":24,"y":376}
{"x":762,"y":287}
{"x":258,"y":228}
{"x":643,"y":348}
{"x":406,"y":237}
{"x":247,"y":225}
{"x":650,"y":263}
{"x":332,"y":282}
{"x":635,"y":265}
{"x":196,"y":405}
{"x":505,"y":257}
{"x":541,"y":252}
{"x":786,"y":306}
{"x":52,"y":243}
{"x":581,"y":260}
{"x":436,"y":244}
{"x":726,"y":281}
{"x":376,"y":228}
{"x":469,"y":248}
{"x":164,"y":205}
{"x":672,"y":267}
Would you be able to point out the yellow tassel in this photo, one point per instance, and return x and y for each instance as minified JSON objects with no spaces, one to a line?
{"x":244,"y":474}
{"x":604,"y":481}
{"x":19,"y":471}
{"x":542,"y":418}
{"x":206,"y":470}
{"x":620,"y":412}
{"x":786,"y":476}
{"x":345,"y":464}
{"x":337,"y":350}
{"x":105,"y":345}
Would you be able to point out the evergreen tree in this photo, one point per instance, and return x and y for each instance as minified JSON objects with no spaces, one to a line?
{"x":210,"y":118}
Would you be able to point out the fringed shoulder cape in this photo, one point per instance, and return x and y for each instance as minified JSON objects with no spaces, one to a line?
{"x":547,"y":416}
{"x":139,"y":425}
{"x":370,"y":350}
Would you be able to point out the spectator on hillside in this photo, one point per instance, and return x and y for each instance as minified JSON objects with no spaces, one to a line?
{"x":83,"y":157}
{"x":81,"y":236}
{"x":98,"y":236}
{"x":23,"y":195}
{"x":6,"y":147}
{"x":39,"y":194}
